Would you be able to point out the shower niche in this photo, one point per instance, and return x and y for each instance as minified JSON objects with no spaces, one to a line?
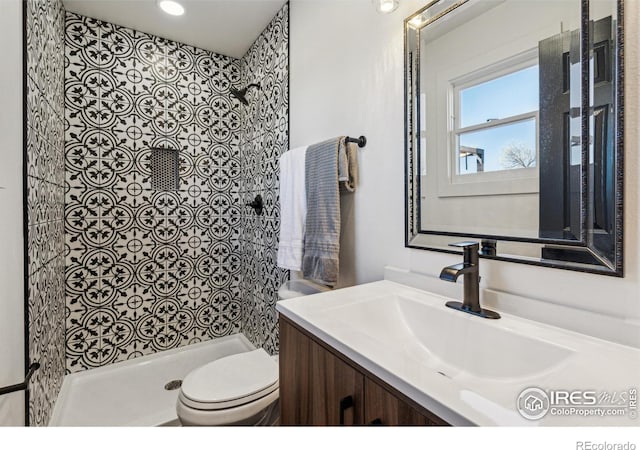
{"x":165,"y":169}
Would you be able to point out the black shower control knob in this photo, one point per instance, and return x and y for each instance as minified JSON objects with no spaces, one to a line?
{"x":257,"y":204}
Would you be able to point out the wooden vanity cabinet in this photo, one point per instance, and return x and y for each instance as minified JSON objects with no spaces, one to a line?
{"x":382,"y":407}
{"x":320,"y":386}
{"x":313,"y":383}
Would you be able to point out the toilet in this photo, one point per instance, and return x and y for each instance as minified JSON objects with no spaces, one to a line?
{"x":240,"y":389}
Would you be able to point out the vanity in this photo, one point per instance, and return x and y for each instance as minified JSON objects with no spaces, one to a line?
{"x":322,"y":386}
{"x":384,"y":353}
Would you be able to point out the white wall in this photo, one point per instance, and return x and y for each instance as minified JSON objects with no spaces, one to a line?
{"x":11,"y":253}
{"x":347,"y":78}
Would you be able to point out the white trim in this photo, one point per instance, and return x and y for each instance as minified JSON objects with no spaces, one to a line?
{"x":496,"y":175}
{"x":498,"y":122}
{"x":515,"y":63}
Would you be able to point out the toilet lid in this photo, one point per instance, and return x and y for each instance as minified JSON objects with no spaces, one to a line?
{"x":232,"y":378}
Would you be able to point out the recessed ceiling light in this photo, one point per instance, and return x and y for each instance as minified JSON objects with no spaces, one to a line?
{"x":171,"y":7}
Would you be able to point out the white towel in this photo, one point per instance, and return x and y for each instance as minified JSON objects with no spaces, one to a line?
{"x":293,"y":208}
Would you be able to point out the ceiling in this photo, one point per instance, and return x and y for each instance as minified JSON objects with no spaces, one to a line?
{"x":227,"y":27}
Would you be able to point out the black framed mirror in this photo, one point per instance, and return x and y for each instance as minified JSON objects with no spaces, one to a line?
{"x":514,"y":130}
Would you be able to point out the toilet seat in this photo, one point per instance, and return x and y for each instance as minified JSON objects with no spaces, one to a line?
{"x":214,"y":406}
{"x":230,"y":389}
{"x":261,"y":412}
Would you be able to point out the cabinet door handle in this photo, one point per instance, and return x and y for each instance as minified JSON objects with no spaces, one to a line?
{"x":345,"y":403}
{"x":376,"y":422}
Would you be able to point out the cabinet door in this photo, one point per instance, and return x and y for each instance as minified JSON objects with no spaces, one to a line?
{"x":315,"y":385}
{"x":385,"y":408}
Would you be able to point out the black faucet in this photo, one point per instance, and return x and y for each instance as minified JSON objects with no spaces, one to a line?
{"x":468,"y":268}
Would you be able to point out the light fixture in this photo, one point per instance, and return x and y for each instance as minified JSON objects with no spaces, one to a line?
{"x":171,"y":7}
{"x":416,"y":22}
{"x":386,"y":6}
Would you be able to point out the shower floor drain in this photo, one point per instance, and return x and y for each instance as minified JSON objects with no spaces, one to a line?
{"x":173,"y":385}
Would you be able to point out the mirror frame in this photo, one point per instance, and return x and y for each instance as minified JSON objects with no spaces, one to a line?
{"x":438,"y":240}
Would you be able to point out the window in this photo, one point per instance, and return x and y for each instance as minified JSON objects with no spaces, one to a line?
{"x":495,"y":126}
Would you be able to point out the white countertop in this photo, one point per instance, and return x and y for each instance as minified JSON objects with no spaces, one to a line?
{"x":459,"y":397}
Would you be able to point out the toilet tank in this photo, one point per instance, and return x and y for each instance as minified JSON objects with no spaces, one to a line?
{"x":298,"y":288}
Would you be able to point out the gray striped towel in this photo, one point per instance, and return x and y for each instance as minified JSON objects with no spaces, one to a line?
{"x":322,"y":229}
{"x":347,"y":166}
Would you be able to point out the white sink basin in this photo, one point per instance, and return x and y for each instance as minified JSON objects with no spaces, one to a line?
{"x":465,"y":369}
{"x":452,"y":342}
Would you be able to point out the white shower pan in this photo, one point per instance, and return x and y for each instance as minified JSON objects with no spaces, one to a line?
{"x":132,"y":393}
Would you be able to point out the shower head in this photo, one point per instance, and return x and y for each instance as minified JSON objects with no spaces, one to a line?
{"x":241,"y":94}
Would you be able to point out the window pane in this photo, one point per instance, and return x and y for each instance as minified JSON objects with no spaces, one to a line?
{"x":506,"y":96}
{"x":503,"y":147}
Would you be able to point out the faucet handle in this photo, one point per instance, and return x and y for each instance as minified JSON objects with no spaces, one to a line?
{"x":470,"y":252}
{"x":465,"y":244}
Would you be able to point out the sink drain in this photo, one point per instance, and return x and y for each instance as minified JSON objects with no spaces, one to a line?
{"x":173,"y":385}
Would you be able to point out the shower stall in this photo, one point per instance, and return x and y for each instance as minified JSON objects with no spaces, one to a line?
{"x":142,"y":155}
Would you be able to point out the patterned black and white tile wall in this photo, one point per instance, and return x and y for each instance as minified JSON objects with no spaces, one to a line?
{"x":264,"y":137}
{"x":45,"y":202}
{"x":148,"y":270}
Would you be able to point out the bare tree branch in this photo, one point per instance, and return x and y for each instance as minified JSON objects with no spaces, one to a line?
{"x":517,"y":155}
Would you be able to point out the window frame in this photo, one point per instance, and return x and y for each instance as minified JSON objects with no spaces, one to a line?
{"x":497,"y":182}
{"x":520,"y":118}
